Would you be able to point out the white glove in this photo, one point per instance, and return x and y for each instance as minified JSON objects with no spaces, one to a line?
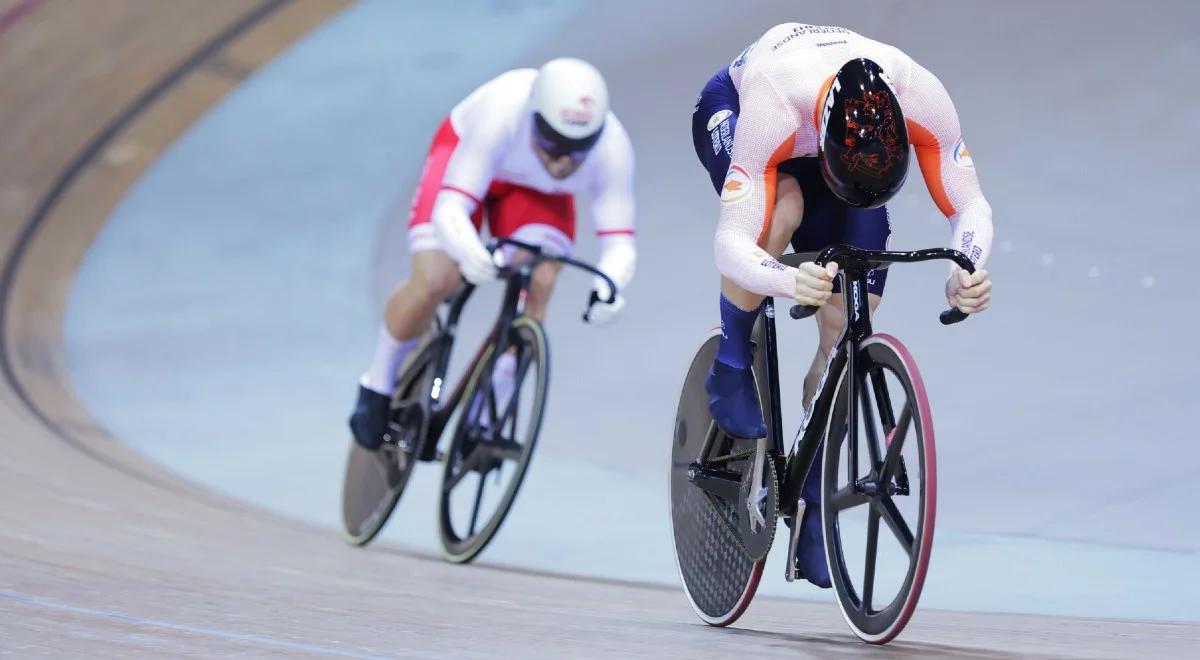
{"x":814,"y":284}
{"x":600,"y":312}
{"x":476,"y":264}
{"x":969,"y":292}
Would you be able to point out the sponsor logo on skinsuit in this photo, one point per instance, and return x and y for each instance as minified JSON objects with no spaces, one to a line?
{"x":741,"y":59}
{"x":726,"y":137}
{"x":738,"y":185}
{"x":804,"y":30}
{"x":765,"y":260}
{"x":962,"y":155}
{"x":968,"y":247}
{"x":718,"y":117}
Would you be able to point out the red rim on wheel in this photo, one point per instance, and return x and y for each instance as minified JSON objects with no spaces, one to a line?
{"x":896,"y":493}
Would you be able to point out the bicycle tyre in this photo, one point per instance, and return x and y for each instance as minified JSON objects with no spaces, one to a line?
{"x":528,"y":335}
{"x":375,"y":480}
{"x":719,"y":578}
{"x":879,"y":626}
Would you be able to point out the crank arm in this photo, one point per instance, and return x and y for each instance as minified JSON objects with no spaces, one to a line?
{"x":790,"y":572}
{"x":758,"y":489}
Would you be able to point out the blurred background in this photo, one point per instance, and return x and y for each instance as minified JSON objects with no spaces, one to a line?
{"x":220,"y":319}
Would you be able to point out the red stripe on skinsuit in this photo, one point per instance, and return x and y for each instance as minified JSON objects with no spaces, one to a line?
{"x":462,"y":192}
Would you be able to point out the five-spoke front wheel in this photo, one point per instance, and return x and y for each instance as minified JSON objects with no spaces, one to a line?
{"x":879,"y":503}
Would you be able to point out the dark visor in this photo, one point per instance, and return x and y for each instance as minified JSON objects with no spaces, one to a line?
{"x":557,"y":145}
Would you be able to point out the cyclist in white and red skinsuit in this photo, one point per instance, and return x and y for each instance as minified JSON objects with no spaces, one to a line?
{"x":515,"y":152}
{"x":757,"y":129}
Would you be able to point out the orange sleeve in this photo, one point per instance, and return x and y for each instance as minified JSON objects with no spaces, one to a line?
{"x":770,"y":175}
{"x":929,"y":157}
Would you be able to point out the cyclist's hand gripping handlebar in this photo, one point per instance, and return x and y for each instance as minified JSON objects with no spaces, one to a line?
{"x":538,"y":255}
{"x":845,"y":254}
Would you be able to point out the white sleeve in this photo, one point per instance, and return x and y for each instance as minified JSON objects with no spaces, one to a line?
{"x":466,"y":180}
{"x":452,"y":225}
{"x":613,"y":209}
{"x":765,"y":137}
{"x":947,"y":166}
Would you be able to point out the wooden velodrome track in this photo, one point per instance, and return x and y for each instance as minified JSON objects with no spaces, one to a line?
{"x":104,"y":554}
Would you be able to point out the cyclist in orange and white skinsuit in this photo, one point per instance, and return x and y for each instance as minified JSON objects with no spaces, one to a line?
{"x":805,"y":135}
{"x":515,"y":152}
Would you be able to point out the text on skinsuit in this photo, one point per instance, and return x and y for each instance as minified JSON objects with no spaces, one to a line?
{"x":801,"y":30}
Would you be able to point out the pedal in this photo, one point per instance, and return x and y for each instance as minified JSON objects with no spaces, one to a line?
{"x":790,"y":572}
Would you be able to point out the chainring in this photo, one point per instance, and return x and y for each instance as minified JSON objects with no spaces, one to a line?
{"x":757,"y":544}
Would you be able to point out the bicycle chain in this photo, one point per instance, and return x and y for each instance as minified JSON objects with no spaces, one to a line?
{"x":770,"y":516}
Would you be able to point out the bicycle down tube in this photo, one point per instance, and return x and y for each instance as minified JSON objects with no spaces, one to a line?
{"x":518,"y":277}
{"x":856,"y":263}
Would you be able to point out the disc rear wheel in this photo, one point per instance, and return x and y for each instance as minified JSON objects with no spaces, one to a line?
{"x":720,"y":554}
{"x":375,"y":480}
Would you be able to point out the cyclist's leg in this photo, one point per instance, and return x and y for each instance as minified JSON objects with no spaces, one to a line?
{"x":820,"y":228}
{"x":785,"y":220}
{"x":531,"y":216}
{"x":539,"y":219}
{"x":413,"y":303}
{"x":733,"y":398}
{"x":828,"y":220}
{"x":411,"y":306}
{"x":540,"y":288}
{"x":409,"y":311}
{"x":869,"y":229}
{"x":434,"y":275}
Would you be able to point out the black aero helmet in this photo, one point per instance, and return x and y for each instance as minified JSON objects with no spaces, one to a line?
{"x":864,"y":142}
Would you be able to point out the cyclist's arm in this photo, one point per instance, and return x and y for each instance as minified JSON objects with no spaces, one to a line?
{"x":765,"y":137}
{"x":468,"y":175}
{"x":613,"y":207}
{"x":947,"y":167}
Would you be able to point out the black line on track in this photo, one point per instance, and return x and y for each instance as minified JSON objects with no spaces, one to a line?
{"x":66,"y":178}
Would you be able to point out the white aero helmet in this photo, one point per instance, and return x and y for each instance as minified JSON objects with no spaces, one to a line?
{"x":569,"y":101}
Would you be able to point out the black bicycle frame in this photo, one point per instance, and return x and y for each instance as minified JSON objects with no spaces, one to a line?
{"x":858,"y":328}
{"x":518,"y":277}
{"x":855,"y":265}
{"x":441,"y":408}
